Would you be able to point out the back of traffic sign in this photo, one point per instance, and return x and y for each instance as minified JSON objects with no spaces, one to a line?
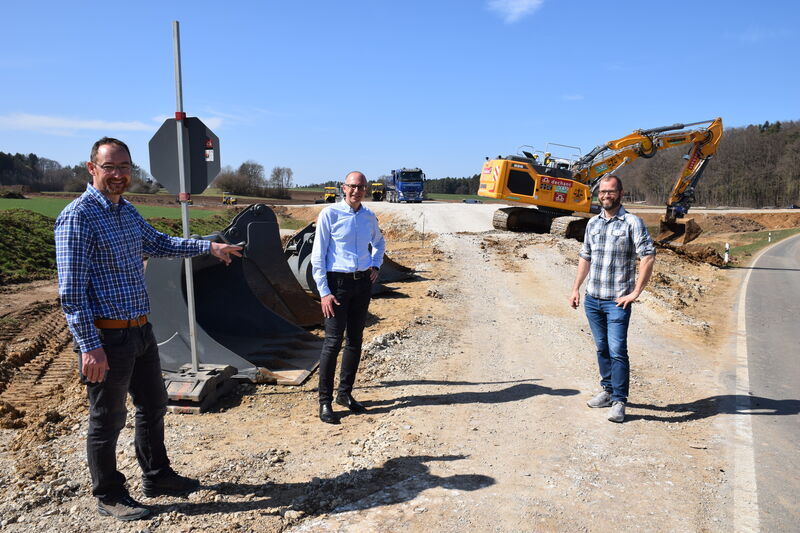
{"x":200,"y":154}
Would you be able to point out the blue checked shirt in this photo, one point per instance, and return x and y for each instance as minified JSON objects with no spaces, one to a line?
{"x":100,"y":249}
{"x":611,"y":246}
{"x":341,"y":243}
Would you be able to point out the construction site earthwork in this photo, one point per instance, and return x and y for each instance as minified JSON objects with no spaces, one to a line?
{"x":475,"y":374}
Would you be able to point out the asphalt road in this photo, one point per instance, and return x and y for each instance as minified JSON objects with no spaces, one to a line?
{"x":773,"y":353}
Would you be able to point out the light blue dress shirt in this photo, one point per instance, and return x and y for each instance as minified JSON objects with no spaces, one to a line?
{"x":342,"y":241}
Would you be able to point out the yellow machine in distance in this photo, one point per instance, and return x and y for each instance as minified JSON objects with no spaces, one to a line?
{"x":377,"y":190}
{"x":228,"y":199}
{"x":329,"y":196}
{"x":559,"y":188}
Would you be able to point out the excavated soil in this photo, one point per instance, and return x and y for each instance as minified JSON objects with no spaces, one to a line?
{"x":448,"y":441}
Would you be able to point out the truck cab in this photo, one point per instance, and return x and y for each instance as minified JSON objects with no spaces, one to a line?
{"x":406,"y":185}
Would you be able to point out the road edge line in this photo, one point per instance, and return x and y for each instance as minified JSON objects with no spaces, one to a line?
{"x":745,"y":489}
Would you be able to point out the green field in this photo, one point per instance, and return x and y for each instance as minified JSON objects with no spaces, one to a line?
{"x":459,"y":198}
{"x":51,"y":207}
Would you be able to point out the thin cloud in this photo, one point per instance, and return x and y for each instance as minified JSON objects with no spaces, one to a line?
{"x":571,"y":97}
{"x":513,"y":10}
{"x":65,"y":126}
{"x":757,"y":35}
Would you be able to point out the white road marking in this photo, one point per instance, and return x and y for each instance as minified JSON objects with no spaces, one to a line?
{"x":745,"y":491}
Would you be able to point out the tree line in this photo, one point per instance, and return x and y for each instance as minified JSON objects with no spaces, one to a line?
{"x":755,"y":166}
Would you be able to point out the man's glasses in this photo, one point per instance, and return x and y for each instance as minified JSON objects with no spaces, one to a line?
{"x":357,"y":187}
{"x":108,"y":168}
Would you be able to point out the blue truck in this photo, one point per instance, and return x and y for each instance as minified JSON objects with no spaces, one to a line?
{"x":405,"y":185}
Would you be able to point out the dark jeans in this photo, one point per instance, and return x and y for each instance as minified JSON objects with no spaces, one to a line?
{"x":350,"y":315}
{"x":134,"y":367}
{"x":609,"y":323}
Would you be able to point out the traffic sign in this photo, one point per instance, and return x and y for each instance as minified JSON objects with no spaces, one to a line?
{"x":200,"y":155}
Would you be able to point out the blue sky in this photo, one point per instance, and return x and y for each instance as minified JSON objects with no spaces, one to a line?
{"x":326,"y":87}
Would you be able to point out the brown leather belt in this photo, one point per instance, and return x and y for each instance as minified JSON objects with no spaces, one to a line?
{"x":108,"y":323}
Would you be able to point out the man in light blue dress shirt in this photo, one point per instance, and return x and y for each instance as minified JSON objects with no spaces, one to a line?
{"x":344,"y":269}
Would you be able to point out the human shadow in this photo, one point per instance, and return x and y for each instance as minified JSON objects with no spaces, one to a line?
{"x":407,"y":382}
{"x":721,"y":404}
{"x":399,"y":479}
{"x":515,"y":393}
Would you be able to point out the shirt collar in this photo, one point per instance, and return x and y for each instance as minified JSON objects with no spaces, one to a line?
{"x":101,"y":198}
{"x":344,"y":206}
{"x":620,"y":214}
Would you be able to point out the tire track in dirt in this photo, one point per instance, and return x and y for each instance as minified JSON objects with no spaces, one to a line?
{"x":36,"y":361}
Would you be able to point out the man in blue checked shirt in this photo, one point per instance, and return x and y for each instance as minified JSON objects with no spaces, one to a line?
{"x":101,"y":241}
{"x":612,"y":241}
{"x":344,"y":270}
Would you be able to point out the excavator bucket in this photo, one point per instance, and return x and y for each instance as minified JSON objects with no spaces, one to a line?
{"x":298,"y":257}
{"x":247,"y":313}
{"x":678,"y":231}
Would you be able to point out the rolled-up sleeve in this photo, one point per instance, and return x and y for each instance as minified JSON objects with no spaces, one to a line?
{"x":641,"y":239}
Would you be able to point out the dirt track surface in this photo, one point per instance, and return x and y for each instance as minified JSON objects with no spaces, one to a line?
{"x":476,"y":375}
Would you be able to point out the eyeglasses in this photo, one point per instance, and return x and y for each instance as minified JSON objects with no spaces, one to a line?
{"x":358,"y":187}
{"x":108,"y":168}
{"x":608,"y":193}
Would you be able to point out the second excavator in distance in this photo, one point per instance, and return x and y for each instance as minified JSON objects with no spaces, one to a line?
{"x":558,"y":189}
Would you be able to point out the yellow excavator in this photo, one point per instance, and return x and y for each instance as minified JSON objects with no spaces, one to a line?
{"x":559,"y":188}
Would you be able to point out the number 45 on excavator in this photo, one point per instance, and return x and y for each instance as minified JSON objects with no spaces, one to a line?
{"x":558,"y":189}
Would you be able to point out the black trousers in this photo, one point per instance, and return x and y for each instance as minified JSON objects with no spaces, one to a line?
{"x":349,"y":316}
{"x":135,"y":368}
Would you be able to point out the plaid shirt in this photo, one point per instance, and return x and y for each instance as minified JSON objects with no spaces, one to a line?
{"x":610,"y":246}
{"x":100,"y":249}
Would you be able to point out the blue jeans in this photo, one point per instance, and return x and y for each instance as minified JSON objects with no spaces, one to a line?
{"x":609,"y":323}
{"x":135,"y":368}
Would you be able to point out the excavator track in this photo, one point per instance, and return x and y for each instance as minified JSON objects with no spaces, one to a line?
{"x":522,"y":219}
{"x":569,"y":227}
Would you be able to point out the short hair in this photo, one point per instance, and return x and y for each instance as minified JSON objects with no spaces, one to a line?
{"x":613,"y":176}
{"x":107,"y":140}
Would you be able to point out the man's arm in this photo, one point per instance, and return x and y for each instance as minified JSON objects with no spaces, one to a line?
{"x":645,"y":271}
{"x":74,"y":241}
{"x":319,"y":269}
{"x":580,"y":276}
{"x":378,"y":249}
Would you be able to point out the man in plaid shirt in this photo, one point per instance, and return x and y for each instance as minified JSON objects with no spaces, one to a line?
{"x":101,"y":241}
{"x":612,"y":241}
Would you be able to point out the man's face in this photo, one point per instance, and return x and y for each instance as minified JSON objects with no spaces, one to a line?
{"x":111,"y":171}
{"x":610,"y":197}
{"x":354,"y":188}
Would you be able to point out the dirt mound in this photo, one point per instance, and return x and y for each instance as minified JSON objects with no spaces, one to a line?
{"x":730,"y":224}
{"x":696,"y":254}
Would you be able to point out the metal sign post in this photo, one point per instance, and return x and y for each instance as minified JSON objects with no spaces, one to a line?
{"x":184,"y":196}
{"x":184,"y":148}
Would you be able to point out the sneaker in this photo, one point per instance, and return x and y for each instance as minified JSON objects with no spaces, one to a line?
{"x":617,"y":413}
{"x":124,"y":508}
{"x":603,"y":399}
{"x":170,"y":484}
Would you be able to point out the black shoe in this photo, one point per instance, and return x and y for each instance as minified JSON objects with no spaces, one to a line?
{"x":170,"y":484}
{"x":327,"y":415}
{"x":124,"y":508}
{"x":346,"y":400}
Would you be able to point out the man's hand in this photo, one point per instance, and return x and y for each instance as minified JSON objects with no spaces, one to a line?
{"x":373,"y":275}
{"x":94,"y":365}
{"x":223,"y":252}
{"x":327,"y":303}
{"x":626,"y":300}
{"x":575,"y":299}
